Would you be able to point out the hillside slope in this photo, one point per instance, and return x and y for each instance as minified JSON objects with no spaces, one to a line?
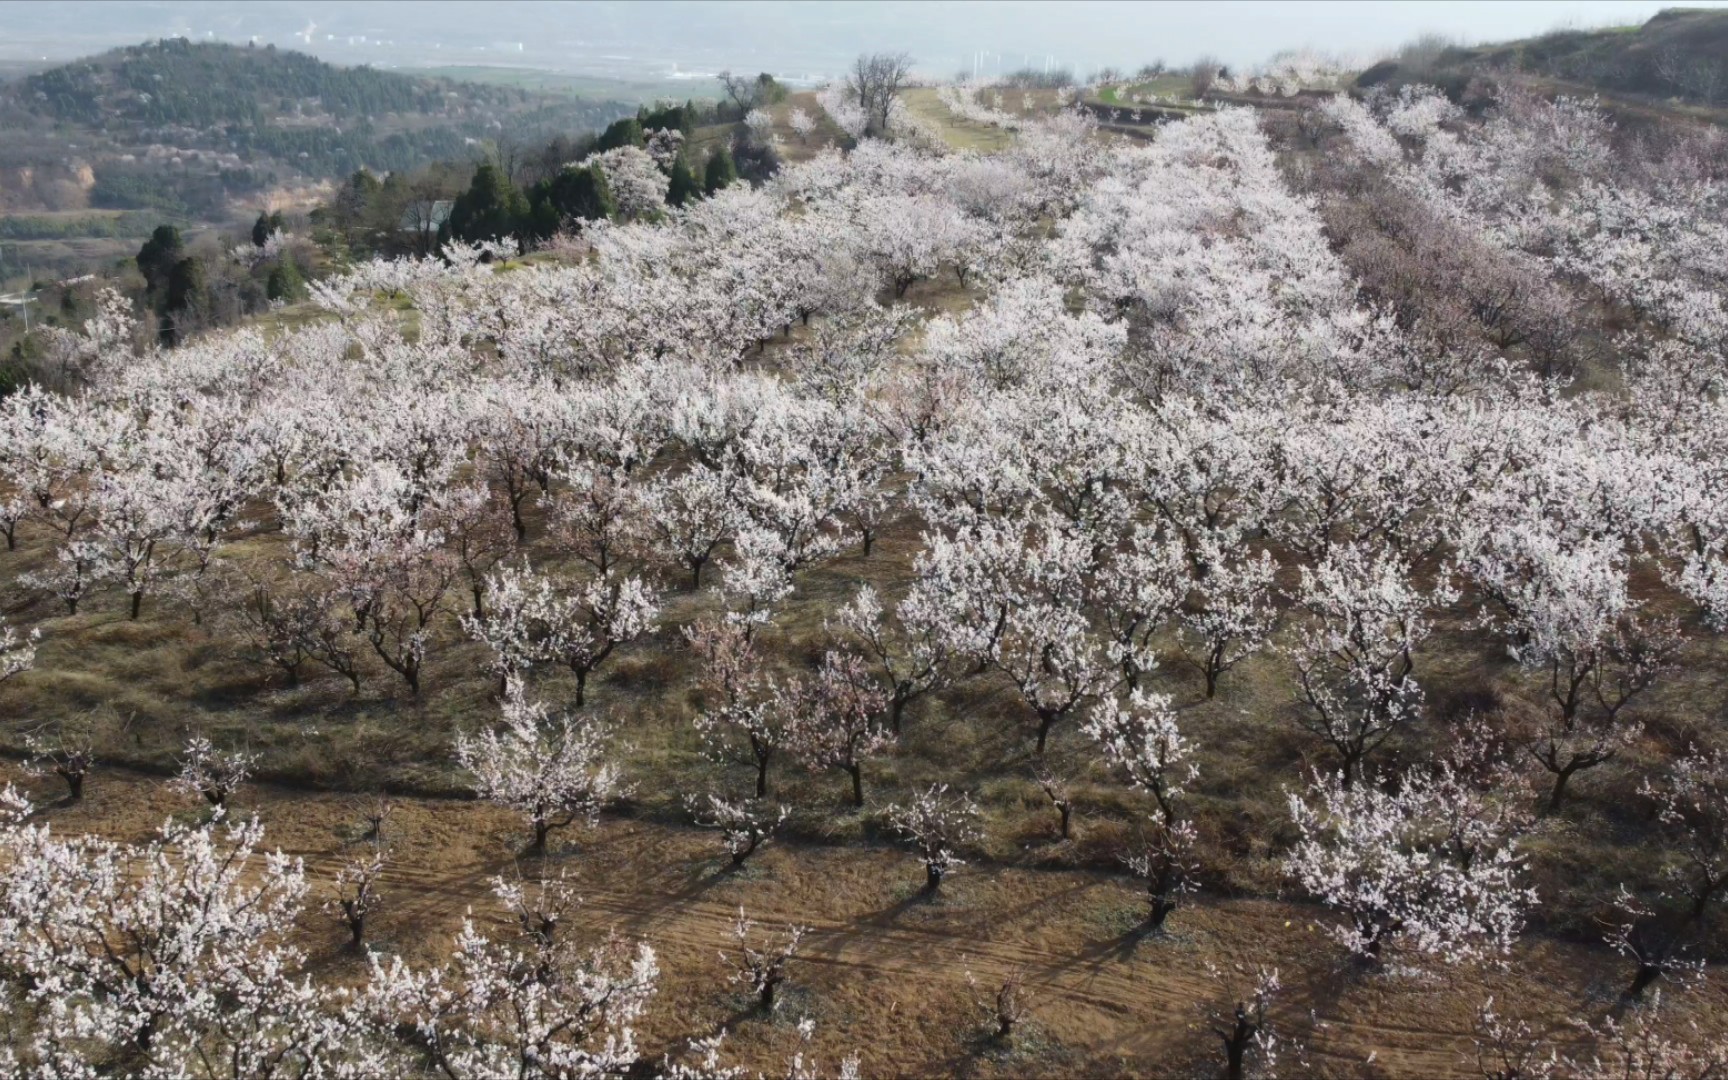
{"x":189,"y":128}
{"x":1680,"y":54}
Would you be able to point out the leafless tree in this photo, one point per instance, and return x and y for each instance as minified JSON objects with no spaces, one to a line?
{"x":374,"y":812}
{"x":512,"y":156}
{"x":742,"y":90}
{"x":1056,"y":789}
{"x":354,"y":894}
{"x":875,"y":81}
{"x":764,"y":969}
{"x":69,"y":753}
{"x":1203,"y":75}
{"x":1006,"y":1008}
{"x":1697,"y":76}
{"x":1423,"y":52}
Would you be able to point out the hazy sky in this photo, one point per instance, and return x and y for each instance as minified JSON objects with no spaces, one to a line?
{"x":644,"y":38}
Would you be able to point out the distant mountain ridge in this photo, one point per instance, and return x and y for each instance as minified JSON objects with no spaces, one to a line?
{"x":189,"y":127}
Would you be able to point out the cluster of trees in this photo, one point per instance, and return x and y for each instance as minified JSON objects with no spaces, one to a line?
{"x":1034,"y":79}
{"x":187,"y":291}
{"x":1183,"y":430}
{"x":173,"y":280}
{"x":874,"y":83}
{"x":745,"y":95}
{"x":638,"y":165}
{"x":633,"y":173}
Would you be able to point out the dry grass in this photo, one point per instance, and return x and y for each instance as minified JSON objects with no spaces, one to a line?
{"x":793,"y":149}
{"x":1165,"y":86}
{"x":957,"y":131}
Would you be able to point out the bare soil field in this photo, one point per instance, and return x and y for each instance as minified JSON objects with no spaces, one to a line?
{"x":885,"y":971}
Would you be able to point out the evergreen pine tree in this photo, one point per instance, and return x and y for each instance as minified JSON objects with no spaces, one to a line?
{"x":625,"y":132}
{"x":491,"y":208}
{"x":722,"y":171}
{"x":187,"y":296}
{"x":684,"y":187}
{"x":285,"y":282}
{"x":266,"y":224}
{"x":157,"y":257}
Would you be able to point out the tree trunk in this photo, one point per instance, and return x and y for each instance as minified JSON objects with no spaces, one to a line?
{"x":581,"y":686}
{"x":356,"y":931}
{"x":1162,"y":906}
{"x":137,"y":603}
{"x":857,"y":774}
{"x":74,"y":785}
{"x":761,"y":777}
{"x":1702,"y":897}
{"x":146,"y":1033}
{"x":1641,"y":980}
{"x":1374,"y":943}
{"x":541,"y":828}
{"x":1044,"y":723}
{"x":1350,"y":771}
{"x":932,"y":877}
{"x":1067,"y":811}
{"x":1556,"y":796}
{"x":1235,"y":1050}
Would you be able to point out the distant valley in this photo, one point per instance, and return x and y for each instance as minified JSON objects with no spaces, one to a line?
{"x":203,"y":132}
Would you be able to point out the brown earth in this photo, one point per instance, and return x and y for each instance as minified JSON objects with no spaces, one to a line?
{"x":887,"y":972}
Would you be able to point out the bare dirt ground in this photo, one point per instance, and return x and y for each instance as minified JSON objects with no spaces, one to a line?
{"x":885,"y":971}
